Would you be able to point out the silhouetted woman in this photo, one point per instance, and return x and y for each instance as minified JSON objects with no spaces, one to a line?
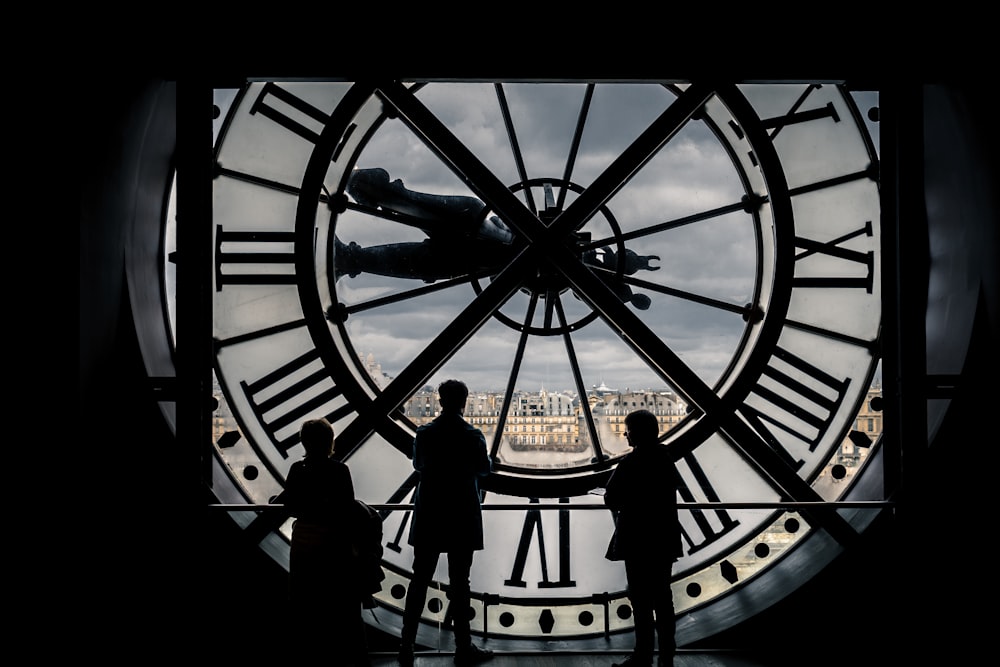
{"x":325,"y":602}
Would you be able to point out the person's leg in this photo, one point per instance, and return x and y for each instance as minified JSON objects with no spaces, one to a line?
{"x":637,"y":575}
{"x":459,"y":573}
{"x":663,"y":601}
{"x":459,"y":599}
{"x":345,"y":634}
{"x":307,"y":605}
{"x":424,"y":562}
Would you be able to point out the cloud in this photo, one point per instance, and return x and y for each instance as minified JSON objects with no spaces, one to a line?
{"x":691,"y":174}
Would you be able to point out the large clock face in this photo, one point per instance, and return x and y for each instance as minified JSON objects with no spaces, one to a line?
{"x":572,"y":251}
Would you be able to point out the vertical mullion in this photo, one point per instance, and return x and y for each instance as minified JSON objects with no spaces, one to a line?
{"x":194,"y":279}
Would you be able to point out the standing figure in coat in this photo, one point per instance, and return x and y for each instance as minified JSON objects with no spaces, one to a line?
{"x":642,"y":495}
{"x":323,"y":589}
{"x":450,"y":456}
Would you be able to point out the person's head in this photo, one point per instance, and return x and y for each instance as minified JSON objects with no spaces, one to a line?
{"x":317,"y":438}
{"x":453,"y":394}
{"x":641,"y":427}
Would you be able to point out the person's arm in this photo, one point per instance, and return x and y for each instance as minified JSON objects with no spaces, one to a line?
{"x":418,"y":458}
{"x":347,"y":482}
{"x":616,"y":489}
{"x":289,"y":496}
{"x":485,"y":464}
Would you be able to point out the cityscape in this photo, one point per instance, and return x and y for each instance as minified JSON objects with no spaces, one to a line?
{"x":547,"y":428}
{"x":551,"y":424}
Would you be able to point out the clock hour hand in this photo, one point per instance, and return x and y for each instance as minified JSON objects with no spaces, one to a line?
{"x":631,"y":261}
{"x":429,"y":260}
{"x":446,"y":215}
{"x":434,"y":260}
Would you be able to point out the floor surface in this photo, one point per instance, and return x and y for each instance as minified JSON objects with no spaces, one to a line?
{"x":589,"y":659}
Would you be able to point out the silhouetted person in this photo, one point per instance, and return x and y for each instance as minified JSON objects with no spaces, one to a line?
{"x":642,"y":495}
{"x":450,"y":456}
{"x":323,"y":586}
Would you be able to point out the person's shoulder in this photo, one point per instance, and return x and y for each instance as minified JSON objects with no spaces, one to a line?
{"x":665,"y":460}
{"x":654,"y":452}
{"x":474,"y":432}
{"x":444,"y":420}
{"x":336,"y":465}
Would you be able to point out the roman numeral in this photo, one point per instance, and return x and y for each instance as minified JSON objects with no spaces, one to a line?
{"x":290,"y":394}
{"x":793,"y":117}
{"x":533,"y":528}
{"x":289,"y":111}
{"x":254,"y":258}
{"x":870,"y":345}
{"x":404,"y":494}
{"x":797,"y":398}
{"x":711,"y":524}
{"x":259,"y":334}
{"x":798,"y":115}
{"x":833,"y":249}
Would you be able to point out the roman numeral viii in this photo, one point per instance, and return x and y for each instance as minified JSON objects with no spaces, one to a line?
{"x":283,"y":398}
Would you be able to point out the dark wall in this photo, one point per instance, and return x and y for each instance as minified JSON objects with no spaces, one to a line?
{"x":166,"y":574}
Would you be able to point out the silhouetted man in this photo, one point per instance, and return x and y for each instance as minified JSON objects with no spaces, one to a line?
{"x":642,"y":495}
{"x":450,"y":456}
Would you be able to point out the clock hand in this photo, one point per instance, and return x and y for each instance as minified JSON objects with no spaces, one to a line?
{"x":453,"y":248}
{"x":628,"y":262}
{"x":453,"y":216}
{"x":428,"y":261}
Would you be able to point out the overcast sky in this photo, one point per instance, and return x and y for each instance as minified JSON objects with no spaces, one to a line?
{"x":692,"y":173}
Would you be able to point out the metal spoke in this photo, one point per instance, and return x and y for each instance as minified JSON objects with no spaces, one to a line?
{"x":575,"y":148}
{"x":512,"y":378}
{"x":638,"y":153}
{"x":679,"y":222}
{"x":580,"y":387}
{"x":514,"y":145}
